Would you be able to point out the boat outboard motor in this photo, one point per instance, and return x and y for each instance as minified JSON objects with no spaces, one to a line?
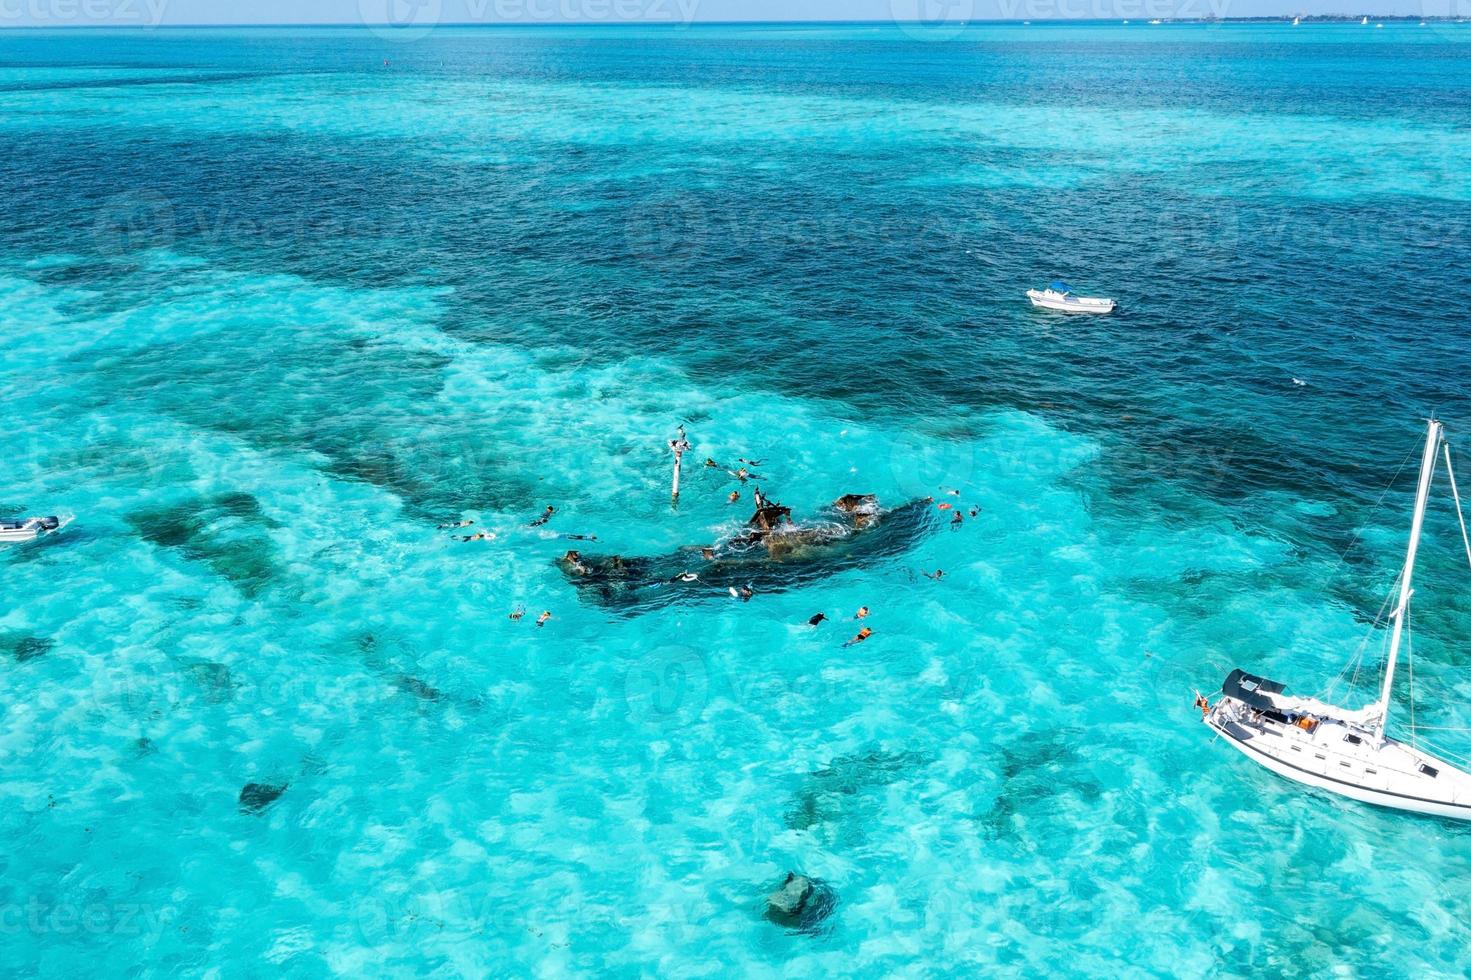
{"x":50,"y":523}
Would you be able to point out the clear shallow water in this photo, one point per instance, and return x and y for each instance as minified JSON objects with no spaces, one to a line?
{"x":275,"y":308}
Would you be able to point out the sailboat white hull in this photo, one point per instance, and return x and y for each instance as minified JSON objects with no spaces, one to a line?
{"x":1393,"y":775}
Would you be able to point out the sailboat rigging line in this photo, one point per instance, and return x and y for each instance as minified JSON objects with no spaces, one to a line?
{"x":1451,"y":757}
{"x":1372,"y":511}
{"x":1456,"y":494}
{"x":1356,"y":662}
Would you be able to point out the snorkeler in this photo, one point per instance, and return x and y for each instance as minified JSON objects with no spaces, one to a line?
{"x":450,"y":527}
{"x":734,"y":496}
{"x":816,"y":619}
{"x":938,"y":574}
{"x":860,"y":636}
{"x":747,"y":592}
{"x":751,"y":462}
{"x":477,"y":536}
{"x":862,"y":613}
{"x":707,"y":553}
{"x":957,"y":519}
{"x":974,"y":511}
{"x":517,"y":613}
{"x":572,"y":561}
{"x":579,"y":537}
{"x":542,"y":619}
{"x":546,"y":515}
{"x":710,"y":464}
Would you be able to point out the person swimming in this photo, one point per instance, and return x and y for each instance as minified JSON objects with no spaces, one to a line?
{"x":939,"y":573}
{"x":816,"y":619}
{"x":734,"y":496}
{"x":747,"y":592}
{"x":572,"y":561}
{"x":707,"y":553}
{"x":859,"y":637}
{"x":517,"y":613}
{"x":751,"y":462}
{"x":477,"y":536}
{"x":710,"y":464}
{"x":457,"y":524}
{"x":579,"y":537}
{"x":542,"y":619}
{"x":957,"y":519}
{"x":974,"y":511}
{"x":862,"y":613}
{"x":546,"y":515}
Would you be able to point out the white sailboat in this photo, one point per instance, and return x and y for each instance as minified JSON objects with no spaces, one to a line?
{"x":1348,"y":751}
{"x":1296,"y":21}
{"x":1364,"y":22}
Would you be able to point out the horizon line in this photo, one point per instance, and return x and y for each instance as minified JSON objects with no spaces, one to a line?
{"x":942,"y":24}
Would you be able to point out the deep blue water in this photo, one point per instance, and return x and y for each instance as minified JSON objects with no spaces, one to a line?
{"x":278,"y":302}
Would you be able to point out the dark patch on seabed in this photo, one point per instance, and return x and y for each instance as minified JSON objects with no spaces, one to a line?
{"x":227,"y":532}
{"x":834,"y":802}
{"x":1037,"y":772}
{"x":255,"y":797}
{"x":367,"y":407}
{"x":22,"y":647}
{"x":214,"y":678}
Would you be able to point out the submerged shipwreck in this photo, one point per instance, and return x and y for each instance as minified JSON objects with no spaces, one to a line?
{"x":771,"y":553}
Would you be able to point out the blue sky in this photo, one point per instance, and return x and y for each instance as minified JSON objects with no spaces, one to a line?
{"x":419,"y":13}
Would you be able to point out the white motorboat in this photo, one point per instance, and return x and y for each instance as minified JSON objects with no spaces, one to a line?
{"x":1349,"y":751}
{"x":1059,"y":296}
{"x":29,"y":529}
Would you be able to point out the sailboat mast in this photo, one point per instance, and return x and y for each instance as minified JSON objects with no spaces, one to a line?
{"x":1427,"y":471}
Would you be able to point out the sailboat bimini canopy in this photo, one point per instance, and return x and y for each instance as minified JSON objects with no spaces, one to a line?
{"x":1060,"y":287}
{"x":1249,"y":688}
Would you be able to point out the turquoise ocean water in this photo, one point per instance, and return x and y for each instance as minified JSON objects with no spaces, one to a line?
{"x":276,"y":303}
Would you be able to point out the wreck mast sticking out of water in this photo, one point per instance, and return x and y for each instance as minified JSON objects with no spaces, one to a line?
{"x":678,"y":446}
{"x":769,"y":515}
